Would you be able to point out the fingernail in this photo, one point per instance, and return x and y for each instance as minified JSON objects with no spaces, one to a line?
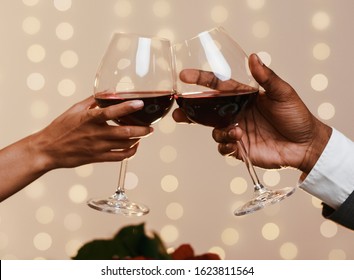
{"x":231,"y":133}
{"x":137,"y":103}
{"x":259,"y":60}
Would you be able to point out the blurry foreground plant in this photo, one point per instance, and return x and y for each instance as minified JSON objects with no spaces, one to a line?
{"x":131,"y":242}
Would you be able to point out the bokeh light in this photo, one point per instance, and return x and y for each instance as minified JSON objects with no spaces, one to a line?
{"x":49,"y":58}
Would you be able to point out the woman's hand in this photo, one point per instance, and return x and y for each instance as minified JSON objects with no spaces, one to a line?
{"x":82,"y":135}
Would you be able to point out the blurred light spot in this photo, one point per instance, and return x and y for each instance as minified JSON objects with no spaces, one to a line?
{"x":72,"y":222}
{"x":161,"y":8}
{"x":260,"y":29}
{"x":31,"y":25}
{"x":35,"y":190}
{"x":64,"y":31}
{"x":326,"y":111}
{"x":321,"y":20}
{"x":156,"y":45}
{"x":167,"y":125}
{"x":4,"y":240}
{"x":84,"y":170}
{"x":265,"y":57}
{"x":44,"y":215}
{"x":35,"y":81}
{"x":123,"y":8}
{"x":72,"y":247}
{"x":123,"y":63}
{"x":232,"y":161}
{"x":219,"y":14}
{"x":131,"y":180}
{"x":78,"y":193}
{"x":36,"y":53}
{"x":168,"y":154}
{"x":69,"y":59}
{"x":169,"y":183}
{"x":174,"y":211}
{"x":39,"y":109}
{"x":337,"y":254}
{"x":62,"y":5}
{"x":230,"y":236}
{"x":271,"y":177}
{"x":66,"y":87}
{"x":317,"y":203}
{"x":256,"y":4}
{"x":42,"y":241}
{"x":321,"y":51}
{"x":328,"y":229}
{"x":164,"y":65}
{"x":166,"y":33}
{"x":30,"y":2}
{"x":125,"y":84}
{"x":319,"y":82}
{"x":270,"y":231}
{"x":238,"y":185}
{"x":219,"y":251}
{"x":288,"y":251}
{"x":169,"y":233}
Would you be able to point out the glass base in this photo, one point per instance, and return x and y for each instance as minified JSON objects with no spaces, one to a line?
{"x":262,"y":199}
{"x":118,"y":204}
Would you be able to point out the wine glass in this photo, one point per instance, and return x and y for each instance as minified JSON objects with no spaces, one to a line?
{"x":220,"y":86}
{"x":134,"y":67}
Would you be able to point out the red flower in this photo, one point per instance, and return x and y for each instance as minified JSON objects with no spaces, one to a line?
{"x":186,"y":252}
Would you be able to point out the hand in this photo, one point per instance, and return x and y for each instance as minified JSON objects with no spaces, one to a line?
{"x":82,"y":135}
{"x":278,"y":128}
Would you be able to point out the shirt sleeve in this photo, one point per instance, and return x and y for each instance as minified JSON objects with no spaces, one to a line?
{"x":332,"y":178}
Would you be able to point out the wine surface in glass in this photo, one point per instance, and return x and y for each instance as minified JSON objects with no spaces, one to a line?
{"x":156,"y":105}
{"x":213,"y":108}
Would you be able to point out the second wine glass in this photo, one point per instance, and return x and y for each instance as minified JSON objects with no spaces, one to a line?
{"x":134,"y":67}
{"x":214,"y":86}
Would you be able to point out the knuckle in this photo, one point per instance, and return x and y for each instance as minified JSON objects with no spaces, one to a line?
{"x":125,"y":131}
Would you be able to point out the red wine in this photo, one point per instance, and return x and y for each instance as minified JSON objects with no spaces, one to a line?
{"x":156,"y":106}
{"x":215,"y":109}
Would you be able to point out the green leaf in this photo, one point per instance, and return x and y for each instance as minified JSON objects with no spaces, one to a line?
{"x":129,"y":242}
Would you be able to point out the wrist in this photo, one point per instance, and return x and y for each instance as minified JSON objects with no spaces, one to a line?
{"x":321,"y":136}
{"x":37,"y":148}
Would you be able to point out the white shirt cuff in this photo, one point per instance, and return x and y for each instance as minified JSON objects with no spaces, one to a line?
{"x":332,"y":178}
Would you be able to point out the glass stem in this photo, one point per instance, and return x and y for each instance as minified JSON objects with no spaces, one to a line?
{"x":258,"y":187}
{"x":120,"y":192}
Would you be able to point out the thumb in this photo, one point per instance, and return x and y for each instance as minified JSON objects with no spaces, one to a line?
{"x":276,"y":88}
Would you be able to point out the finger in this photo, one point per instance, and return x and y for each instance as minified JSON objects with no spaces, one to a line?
{"x":208,"y":79}
{"x":127,"y":132}
{"x":227,"y":135}
{"x":226,"y":149}
{"x":116,"y":111}
{"x":275,"y":87}
{"x":179,"y":116}
{"x":120,"y":145}
{"x":85,"y":104}
{"x":115,"y":155}
{"x":108,"y":145}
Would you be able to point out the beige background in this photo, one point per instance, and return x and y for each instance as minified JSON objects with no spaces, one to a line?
{"x":49,"y":52}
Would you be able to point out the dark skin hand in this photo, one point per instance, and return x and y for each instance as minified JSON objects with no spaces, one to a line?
{"x":80,"y":135}
{"x":276,"y":126}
